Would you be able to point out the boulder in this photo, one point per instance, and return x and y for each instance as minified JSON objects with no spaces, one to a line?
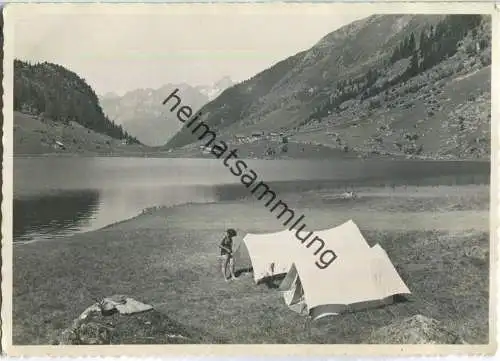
{"x":414,"y":330}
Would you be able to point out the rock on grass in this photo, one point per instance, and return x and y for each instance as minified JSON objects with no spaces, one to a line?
{"x":414,"y":330}
{"x":477,"y":253}
{"x":150,"y":327}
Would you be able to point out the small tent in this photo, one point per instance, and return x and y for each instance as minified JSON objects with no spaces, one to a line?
{"x":269,"y":253}
{"x":360,"y":277}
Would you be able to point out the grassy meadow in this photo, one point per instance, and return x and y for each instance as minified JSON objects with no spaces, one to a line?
{"x":437,"y":237}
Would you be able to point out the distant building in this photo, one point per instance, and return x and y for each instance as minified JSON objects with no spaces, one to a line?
{"x":257,"y":134}
{"x":59,"y":145}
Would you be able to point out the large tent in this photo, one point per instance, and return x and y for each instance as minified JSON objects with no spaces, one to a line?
{"x":359,"y":277}
{"x":345,"y":240}
{"x":350,"y":284}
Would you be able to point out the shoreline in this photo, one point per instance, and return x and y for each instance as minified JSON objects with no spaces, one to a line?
{"x":167,"y":156}
{"x":371,"y":191}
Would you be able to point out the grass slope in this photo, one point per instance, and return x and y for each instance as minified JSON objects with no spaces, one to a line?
{"x":437,"y":237}
{"x":433,"y":112}
{"x":32,"y":136}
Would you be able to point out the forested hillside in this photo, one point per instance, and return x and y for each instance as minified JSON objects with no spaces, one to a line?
{"x":436,"y":44}
{"x":57,"y":94}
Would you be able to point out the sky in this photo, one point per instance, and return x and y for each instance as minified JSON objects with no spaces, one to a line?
{"x":118,"y":49}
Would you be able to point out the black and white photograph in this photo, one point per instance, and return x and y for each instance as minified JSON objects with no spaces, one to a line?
{"x":249,"y":174}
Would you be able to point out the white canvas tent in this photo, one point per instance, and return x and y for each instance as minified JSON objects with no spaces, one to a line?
{"x":345,"y":240}
{"x":360,"y":277}
{"x":270,"y":253}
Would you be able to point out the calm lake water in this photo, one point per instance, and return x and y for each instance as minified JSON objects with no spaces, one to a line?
{"x":55,"y":197}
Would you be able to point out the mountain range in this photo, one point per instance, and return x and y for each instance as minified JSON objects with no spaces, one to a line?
{"x":410,"y":85}
{"x":141,"y":113}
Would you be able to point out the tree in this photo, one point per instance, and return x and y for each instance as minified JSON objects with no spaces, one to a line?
{"x":414,"y":66}
{"x":412,"y":45}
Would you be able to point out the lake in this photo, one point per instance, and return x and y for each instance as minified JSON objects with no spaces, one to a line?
{"x":60,"y":196}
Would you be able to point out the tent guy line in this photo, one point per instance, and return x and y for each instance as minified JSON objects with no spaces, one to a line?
{"x":248,"y":177}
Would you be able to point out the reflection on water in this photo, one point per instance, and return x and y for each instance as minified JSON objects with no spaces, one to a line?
{"x":48,"y":216}
{"x":55,"y":197}
{"x":65,"y":212}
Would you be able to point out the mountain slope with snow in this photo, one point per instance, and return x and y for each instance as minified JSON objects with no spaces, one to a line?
{"x":142,"y":114}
